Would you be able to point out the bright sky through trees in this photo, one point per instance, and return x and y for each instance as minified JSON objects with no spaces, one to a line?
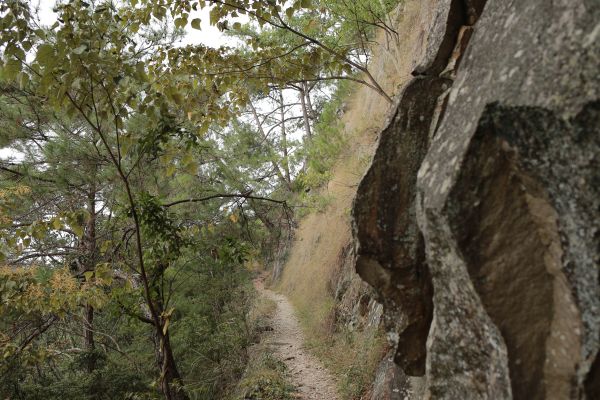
{"x":209,"y":35}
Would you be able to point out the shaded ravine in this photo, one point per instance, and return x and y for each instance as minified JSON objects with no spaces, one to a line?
{"x":286,"y":341}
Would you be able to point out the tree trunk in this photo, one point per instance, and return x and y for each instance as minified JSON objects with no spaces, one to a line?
{"x":305,"y":113}
{"x":311,"y":110}
{"x":171,"y":383}
{"x":284,"y":146}
{"x":89,"y":245}
{"x":88,"y":337}
{"x":282,"y":178}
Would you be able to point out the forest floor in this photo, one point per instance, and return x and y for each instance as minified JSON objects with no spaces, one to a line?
{"x":286,"y":341}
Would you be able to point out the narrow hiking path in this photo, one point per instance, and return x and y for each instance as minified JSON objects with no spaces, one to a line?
{"x":286,"y":341}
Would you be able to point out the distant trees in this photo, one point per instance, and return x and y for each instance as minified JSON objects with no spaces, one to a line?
{"x":67,"y":181}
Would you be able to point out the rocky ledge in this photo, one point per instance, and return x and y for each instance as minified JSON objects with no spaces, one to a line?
{"x":478,"y":221}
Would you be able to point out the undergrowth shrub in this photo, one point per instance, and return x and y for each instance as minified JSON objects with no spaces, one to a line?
{"x":266,"y":378}
{"x":351,"y":355}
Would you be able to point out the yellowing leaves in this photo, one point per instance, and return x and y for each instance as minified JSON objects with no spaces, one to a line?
{"x":8,"y":196}
{"x":28,"y":290}
{"x":63,"y":281}
{"x":103,"y":274}
{"x":127,"y":142}
{"x":56,"y":223}
{"x":187,"y":164}
{"x":77,"y":229}
{"x":191,"y":167}
{"x":105,"y":246}
{"x":171,"y":170}
{"x":187,"y":158}
{"x":18,"y":190}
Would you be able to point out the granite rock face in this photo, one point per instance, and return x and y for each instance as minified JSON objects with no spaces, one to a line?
{"x":478,"y":221}
{"x":391,"y":383}
{"x":355,"y":304}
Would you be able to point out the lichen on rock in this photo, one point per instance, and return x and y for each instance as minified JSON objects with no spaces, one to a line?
{"x":478,"y":221}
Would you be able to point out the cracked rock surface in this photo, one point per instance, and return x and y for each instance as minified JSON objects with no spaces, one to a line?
{"x":478,"y":221}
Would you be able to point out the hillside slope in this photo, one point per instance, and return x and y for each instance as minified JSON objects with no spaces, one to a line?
{"x":319,"y":275}
{"x":477,"y":220}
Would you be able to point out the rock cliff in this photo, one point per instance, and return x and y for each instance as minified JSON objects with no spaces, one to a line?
{"x":477,"y":222}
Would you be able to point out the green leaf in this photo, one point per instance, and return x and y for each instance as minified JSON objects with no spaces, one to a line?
{"x":44,"y":53}
{"x":40,"y":33}
{"x":56,"y":223}
{"x":105,"y":246}
{"x":23,"y":79}
{"x":42,"y":275}
{"x":38,"y":231}
{"x":171,"y":170}
{"x":78,"y":229}
{"x":196,"y":23}
{"x":289,"y":12}
{"x":11,"y":69}
{"x":191,"y":168}
{"x":177,"y":98}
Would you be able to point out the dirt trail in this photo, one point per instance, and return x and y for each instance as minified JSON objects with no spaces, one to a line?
{"x":287,"y":342}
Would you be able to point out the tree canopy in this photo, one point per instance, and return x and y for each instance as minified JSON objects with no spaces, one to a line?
{"x":147,"y":177}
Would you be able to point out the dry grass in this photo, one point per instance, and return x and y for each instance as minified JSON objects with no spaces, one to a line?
{"x":352,"y":356}
{"x":314,"y":257}
{"x":266,"y":378}
{"x":260,"y":316}
{"x":262,"y":309}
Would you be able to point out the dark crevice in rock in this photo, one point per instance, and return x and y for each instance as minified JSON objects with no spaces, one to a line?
{"x":592,"y":381}
{"x":355,"y":307}
{"x":473,"y":9}
{"x":461,"y":16}
{"x":391,"y":252}
{"x":455,"y":19}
